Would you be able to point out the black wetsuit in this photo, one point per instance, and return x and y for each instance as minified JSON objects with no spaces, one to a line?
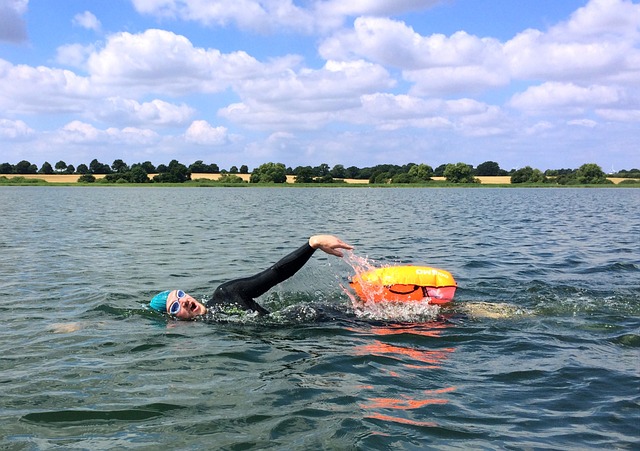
{"x":241,"y":293}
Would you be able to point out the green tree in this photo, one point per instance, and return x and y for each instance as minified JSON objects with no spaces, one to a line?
{"x":421,"y":172}
{"x":176,"y":173}
{"x":70,"y":169}
{"x":61,"y":166}
{"x":46,"y":168}
{"x":86,"y":178}
{"x":439,"y":171}
{"x":119,"y":166}
{"x":95,"y":167}
{"x":230,"y":178}
{"x":327,"y":178}
{"x":380,"y":177}
{"x":138,"y":175}
{"x":321,"y":170}
{"x":244,"y":169}
{"x":488,"y":168}
{"x":203,"y":168}
{"x":233,"y":170}
{"x":591,"y":173}
{"x":25,"y":167}
{"x":6,"y":168}
{"x":148,"y":167}
{"x":198,"y":166}
{"x":404,"y":178}
{"x":459,"y":173}
{"x":353,"y":172}
{"x":633,"y":173}
{"x":528,"y":175}
{"x":82,"y":169}
{"x":304,"y":174}
{"x":338,"y":172}
{"x":269,"y":173}
{"x":122,"y":177}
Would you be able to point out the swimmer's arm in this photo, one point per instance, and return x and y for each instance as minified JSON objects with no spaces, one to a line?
{"x":251,"y":287}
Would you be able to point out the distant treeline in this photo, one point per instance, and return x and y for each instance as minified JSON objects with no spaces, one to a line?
{"x":176,"y":172}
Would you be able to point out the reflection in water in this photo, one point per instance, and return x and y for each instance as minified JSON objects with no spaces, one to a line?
{"x":403,"y":407}
{"x":400,"y":408}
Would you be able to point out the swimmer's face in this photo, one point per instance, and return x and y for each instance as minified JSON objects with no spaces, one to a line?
{"x":189,"y":307}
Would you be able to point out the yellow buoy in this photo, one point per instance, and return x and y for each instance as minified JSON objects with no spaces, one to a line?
{"x":405,"y":283}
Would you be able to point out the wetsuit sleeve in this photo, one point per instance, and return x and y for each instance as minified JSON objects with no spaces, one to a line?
{"x":242,"y":292}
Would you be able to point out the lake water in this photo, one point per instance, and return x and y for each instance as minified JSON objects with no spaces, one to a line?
{"x":541,"y":349}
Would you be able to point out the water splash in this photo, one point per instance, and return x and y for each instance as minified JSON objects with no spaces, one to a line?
{"x":369,"y":309}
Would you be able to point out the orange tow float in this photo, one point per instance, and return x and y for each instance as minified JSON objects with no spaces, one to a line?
{"x":405,"y":283}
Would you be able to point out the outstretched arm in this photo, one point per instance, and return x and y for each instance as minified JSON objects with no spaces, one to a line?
{"x":242,"y":292}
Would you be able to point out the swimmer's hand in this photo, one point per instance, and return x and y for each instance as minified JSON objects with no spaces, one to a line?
{"x":329,"y":244}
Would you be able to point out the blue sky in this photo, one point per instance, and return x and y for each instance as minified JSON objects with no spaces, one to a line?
{"x":545,"y":83}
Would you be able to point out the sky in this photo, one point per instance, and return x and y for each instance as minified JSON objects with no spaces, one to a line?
{"x":543,"y":83}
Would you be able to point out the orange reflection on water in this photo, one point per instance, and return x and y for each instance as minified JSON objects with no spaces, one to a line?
{"x":420,"y":403}
{"x":407,"y":403}
{"x":432,"y":358}
{"x":390,"y":419}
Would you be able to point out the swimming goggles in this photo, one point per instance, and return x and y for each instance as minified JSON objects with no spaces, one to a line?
{"x":174,"y":308}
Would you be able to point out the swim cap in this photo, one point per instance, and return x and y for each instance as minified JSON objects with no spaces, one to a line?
{"x":159,"y":301}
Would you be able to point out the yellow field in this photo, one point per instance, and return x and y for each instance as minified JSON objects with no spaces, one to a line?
{"x":73,"y":178}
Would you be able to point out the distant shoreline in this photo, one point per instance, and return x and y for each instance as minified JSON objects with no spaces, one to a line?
{"x":73,"y":178}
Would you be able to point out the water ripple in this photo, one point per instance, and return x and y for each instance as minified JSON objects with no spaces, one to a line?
{"x":538,"y":351}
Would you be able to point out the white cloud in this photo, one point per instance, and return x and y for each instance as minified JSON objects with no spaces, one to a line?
{"x":87,"y":20}
{"x":598,"y":41}
{"x":82,"y":133}
{"x":336,"y":85}
{"x":306,"y":99}
{"x":446,"y":80}
{"x":394,"y":43}
{"x":261,"y":16}
{"x":533,"y":54}
{"x":539,"y":127}
{"x":26,"y":89}
{"x":620,"y":115}
{"x":201,"y":132}
{"x":602,"y":18}
{"x":265,"y":16}
{"x":162,"y":61}
{"x":12,"y":26}
{"x":393,"y":112}
{"x":15,"y":130}
{"x":74,"y":55}
{"x":565,"y":97}
{"x":132,"y":136}
{"x":79,"y":132}
{"x":598,"y":44}
{"x":436,"y":64}
{"x":155,"y":112}
{"x":279,"y":137}
{"x":589,"y":123}
{"x":373,"y":7}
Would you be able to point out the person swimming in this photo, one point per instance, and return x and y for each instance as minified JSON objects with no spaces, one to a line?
{"x":241,"y":293}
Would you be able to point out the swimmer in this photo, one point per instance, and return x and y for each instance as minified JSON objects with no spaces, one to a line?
{"x":241,"y":293}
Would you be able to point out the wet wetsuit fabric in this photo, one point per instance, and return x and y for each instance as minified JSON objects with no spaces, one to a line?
{"x":241,"y":293}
